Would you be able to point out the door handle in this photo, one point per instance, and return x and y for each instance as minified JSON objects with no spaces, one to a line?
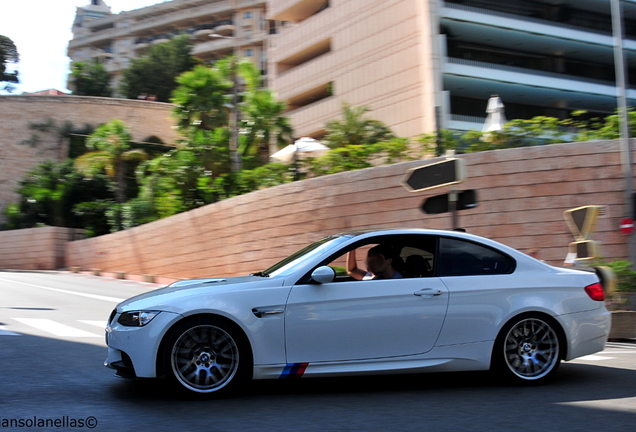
{"x":428,"y":292}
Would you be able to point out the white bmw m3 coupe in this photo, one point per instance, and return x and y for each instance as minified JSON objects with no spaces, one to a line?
{"x":409,"y":301}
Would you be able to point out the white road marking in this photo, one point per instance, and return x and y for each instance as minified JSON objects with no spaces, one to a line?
{"x":81,"y":294}
{"x":96,"y":323}
{"x":55,"y":328}
{"x":594,"y":358}
{"x":625,"y":405}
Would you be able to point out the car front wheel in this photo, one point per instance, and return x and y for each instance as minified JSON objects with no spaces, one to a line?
{"x":206,"y":356}
{"x":528,"y":349}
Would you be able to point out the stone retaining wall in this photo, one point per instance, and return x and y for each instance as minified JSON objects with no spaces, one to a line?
{"x":35,"y":248}
{"x":22,"y":147}
{"x":522,"y":196}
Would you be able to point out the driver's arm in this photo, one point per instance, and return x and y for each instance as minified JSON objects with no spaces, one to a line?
{"x":352,"y":266}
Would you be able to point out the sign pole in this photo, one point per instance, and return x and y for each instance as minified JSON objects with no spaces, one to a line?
{"x":626,"y":152}
{"x":452,"y":206}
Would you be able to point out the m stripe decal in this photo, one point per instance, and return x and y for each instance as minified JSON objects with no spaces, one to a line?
{"x":294,"y":370}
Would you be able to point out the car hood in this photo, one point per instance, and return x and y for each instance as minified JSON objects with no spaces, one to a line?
{"x":163,"y":297}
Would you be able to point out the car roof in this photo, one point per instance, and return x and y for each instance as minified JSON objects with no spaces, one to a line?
{"x":406,"y":231}
{"x":361,"y":234}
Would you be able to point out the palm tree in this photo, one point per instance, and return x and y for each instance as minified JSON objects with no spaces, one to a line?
{"x":262,"y":121}
{"x":355,"y":129}
{"x":111,"y":149}
{"x":200,"y":100}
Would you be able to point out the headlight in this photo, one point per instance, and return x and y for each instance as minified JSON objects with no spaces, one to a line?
{"x":136,"y":318}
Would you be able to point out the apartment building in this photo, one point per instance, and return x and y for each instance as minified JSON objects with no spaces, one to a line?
{"x":422,"y":63}
{"x":239,"y":25}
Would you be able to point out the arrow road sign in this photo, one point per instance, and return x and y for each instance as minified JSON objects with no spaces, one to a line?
{"x":447,"y":172}
{"x":439,"y":204}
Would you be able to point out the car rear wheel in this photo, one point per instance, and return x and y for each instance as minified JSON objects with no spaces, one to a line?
{"x":206,"y":356}
{"x":528,"y":349}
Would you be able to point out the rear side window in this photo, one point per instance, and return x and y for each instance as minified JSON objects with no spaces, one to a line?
{"x":463,"y":258}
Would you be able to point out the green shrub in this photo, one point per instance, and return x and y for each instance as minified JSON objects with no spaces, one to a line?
{"x":625,"y":275}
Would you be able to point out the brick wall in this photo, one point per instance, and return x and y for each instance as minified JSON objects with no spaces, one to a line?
{"x":18,"y":112}
{"x":34,"y":248}
{"x":522,"y":196}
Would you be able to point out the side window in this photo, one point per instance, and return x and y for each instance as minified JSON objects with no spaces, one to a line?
{"x":463,"y":258}
{"x":417,"y":261}
{"x":410,"y":258}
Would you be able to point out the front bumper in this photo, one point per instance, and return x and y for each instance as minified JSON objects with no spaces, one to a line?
{"x":132,"y":351}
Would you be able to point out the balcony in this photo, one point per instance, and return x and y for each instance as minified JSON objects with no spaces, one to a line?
{"x":225,"y":29}
{"x":311,"y":96}
{"x":141,"y":47}
{"x":304,"y":56}
{"x":480,"y":80}
{"x":562,"y":15}
{"x":296,"y":10}
{"x":203,"y":34}
{"x":554,"y":65}
{"x":213,"y":46}
{"x":160,"y":40}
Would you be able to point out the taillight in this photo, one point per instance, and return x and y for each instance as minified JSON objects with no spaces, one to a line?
{"x":595,"y":291}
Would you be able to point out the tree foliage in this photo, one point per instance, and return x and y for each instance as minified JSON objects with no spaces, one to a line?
{"x":8,"y":54}
{"x":203,"y":101}
{"x":355,"y":129}
{"x":200,"y":100}
{"x":111,"y":149}
{"x":155,"y":72}
{"x":538,"y":130}
{"x":49,"y":194}
{"x":358,"y":156}
{"x":262,"y":122}
{"x":172,"y":181}
{"x":90,"y":79}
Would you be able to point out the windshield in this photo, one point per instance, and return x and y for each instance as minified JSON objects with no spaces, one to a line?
{"x":305,"y":254}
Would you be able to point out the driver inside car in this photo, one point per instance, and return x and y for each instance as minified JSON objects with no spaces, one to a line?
{"x":379,"y":263}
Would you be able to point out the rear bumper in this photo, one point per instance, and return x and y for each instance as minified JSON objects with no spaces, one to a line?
{"x":588,"y":331}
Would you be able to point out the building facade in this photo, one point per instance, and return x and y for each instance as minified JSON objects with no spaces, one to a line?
{"x":417,"y":64}
{"x":116,"y":39}
{"x":422,"y":63}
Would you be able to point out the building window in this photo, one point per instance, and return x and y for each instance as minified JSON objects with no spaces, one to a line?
{"x":249,"y":52}
{"x":247,"y":15}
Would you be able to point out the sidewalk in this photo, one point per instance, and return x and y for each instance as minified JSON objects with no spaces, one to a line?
{"x":149,"y":279}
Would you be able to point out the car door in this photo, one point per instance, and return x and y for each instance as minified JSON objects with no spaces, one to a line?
{"x":482,"y":282}
{"x":357,"y":320}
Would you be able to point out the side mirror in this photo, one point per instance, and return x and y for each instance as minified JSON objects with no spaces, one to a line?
{"x":323,"y":274}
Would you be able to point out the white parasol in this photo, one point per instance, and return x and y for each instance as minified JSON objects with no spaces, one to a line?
{"x":305,"y":145}
{"x":496,"y":118}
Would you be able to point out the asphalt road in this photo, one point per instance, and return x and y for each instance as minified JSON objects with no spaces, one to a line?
{"x":52,"y":370}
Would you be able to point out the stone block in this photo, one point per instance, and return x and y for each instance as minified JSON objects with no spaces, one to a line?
{"x":623,"y":325}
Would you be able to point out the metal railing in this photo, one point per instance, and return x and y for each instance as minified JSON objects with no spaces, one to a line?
{"x":582,"y":23}
{"x":527,"y":71}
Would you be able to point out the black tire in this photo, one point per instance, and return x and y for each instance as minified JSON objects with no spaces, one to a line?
{"x":528,"y":350}
{"x":207,"y":356}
